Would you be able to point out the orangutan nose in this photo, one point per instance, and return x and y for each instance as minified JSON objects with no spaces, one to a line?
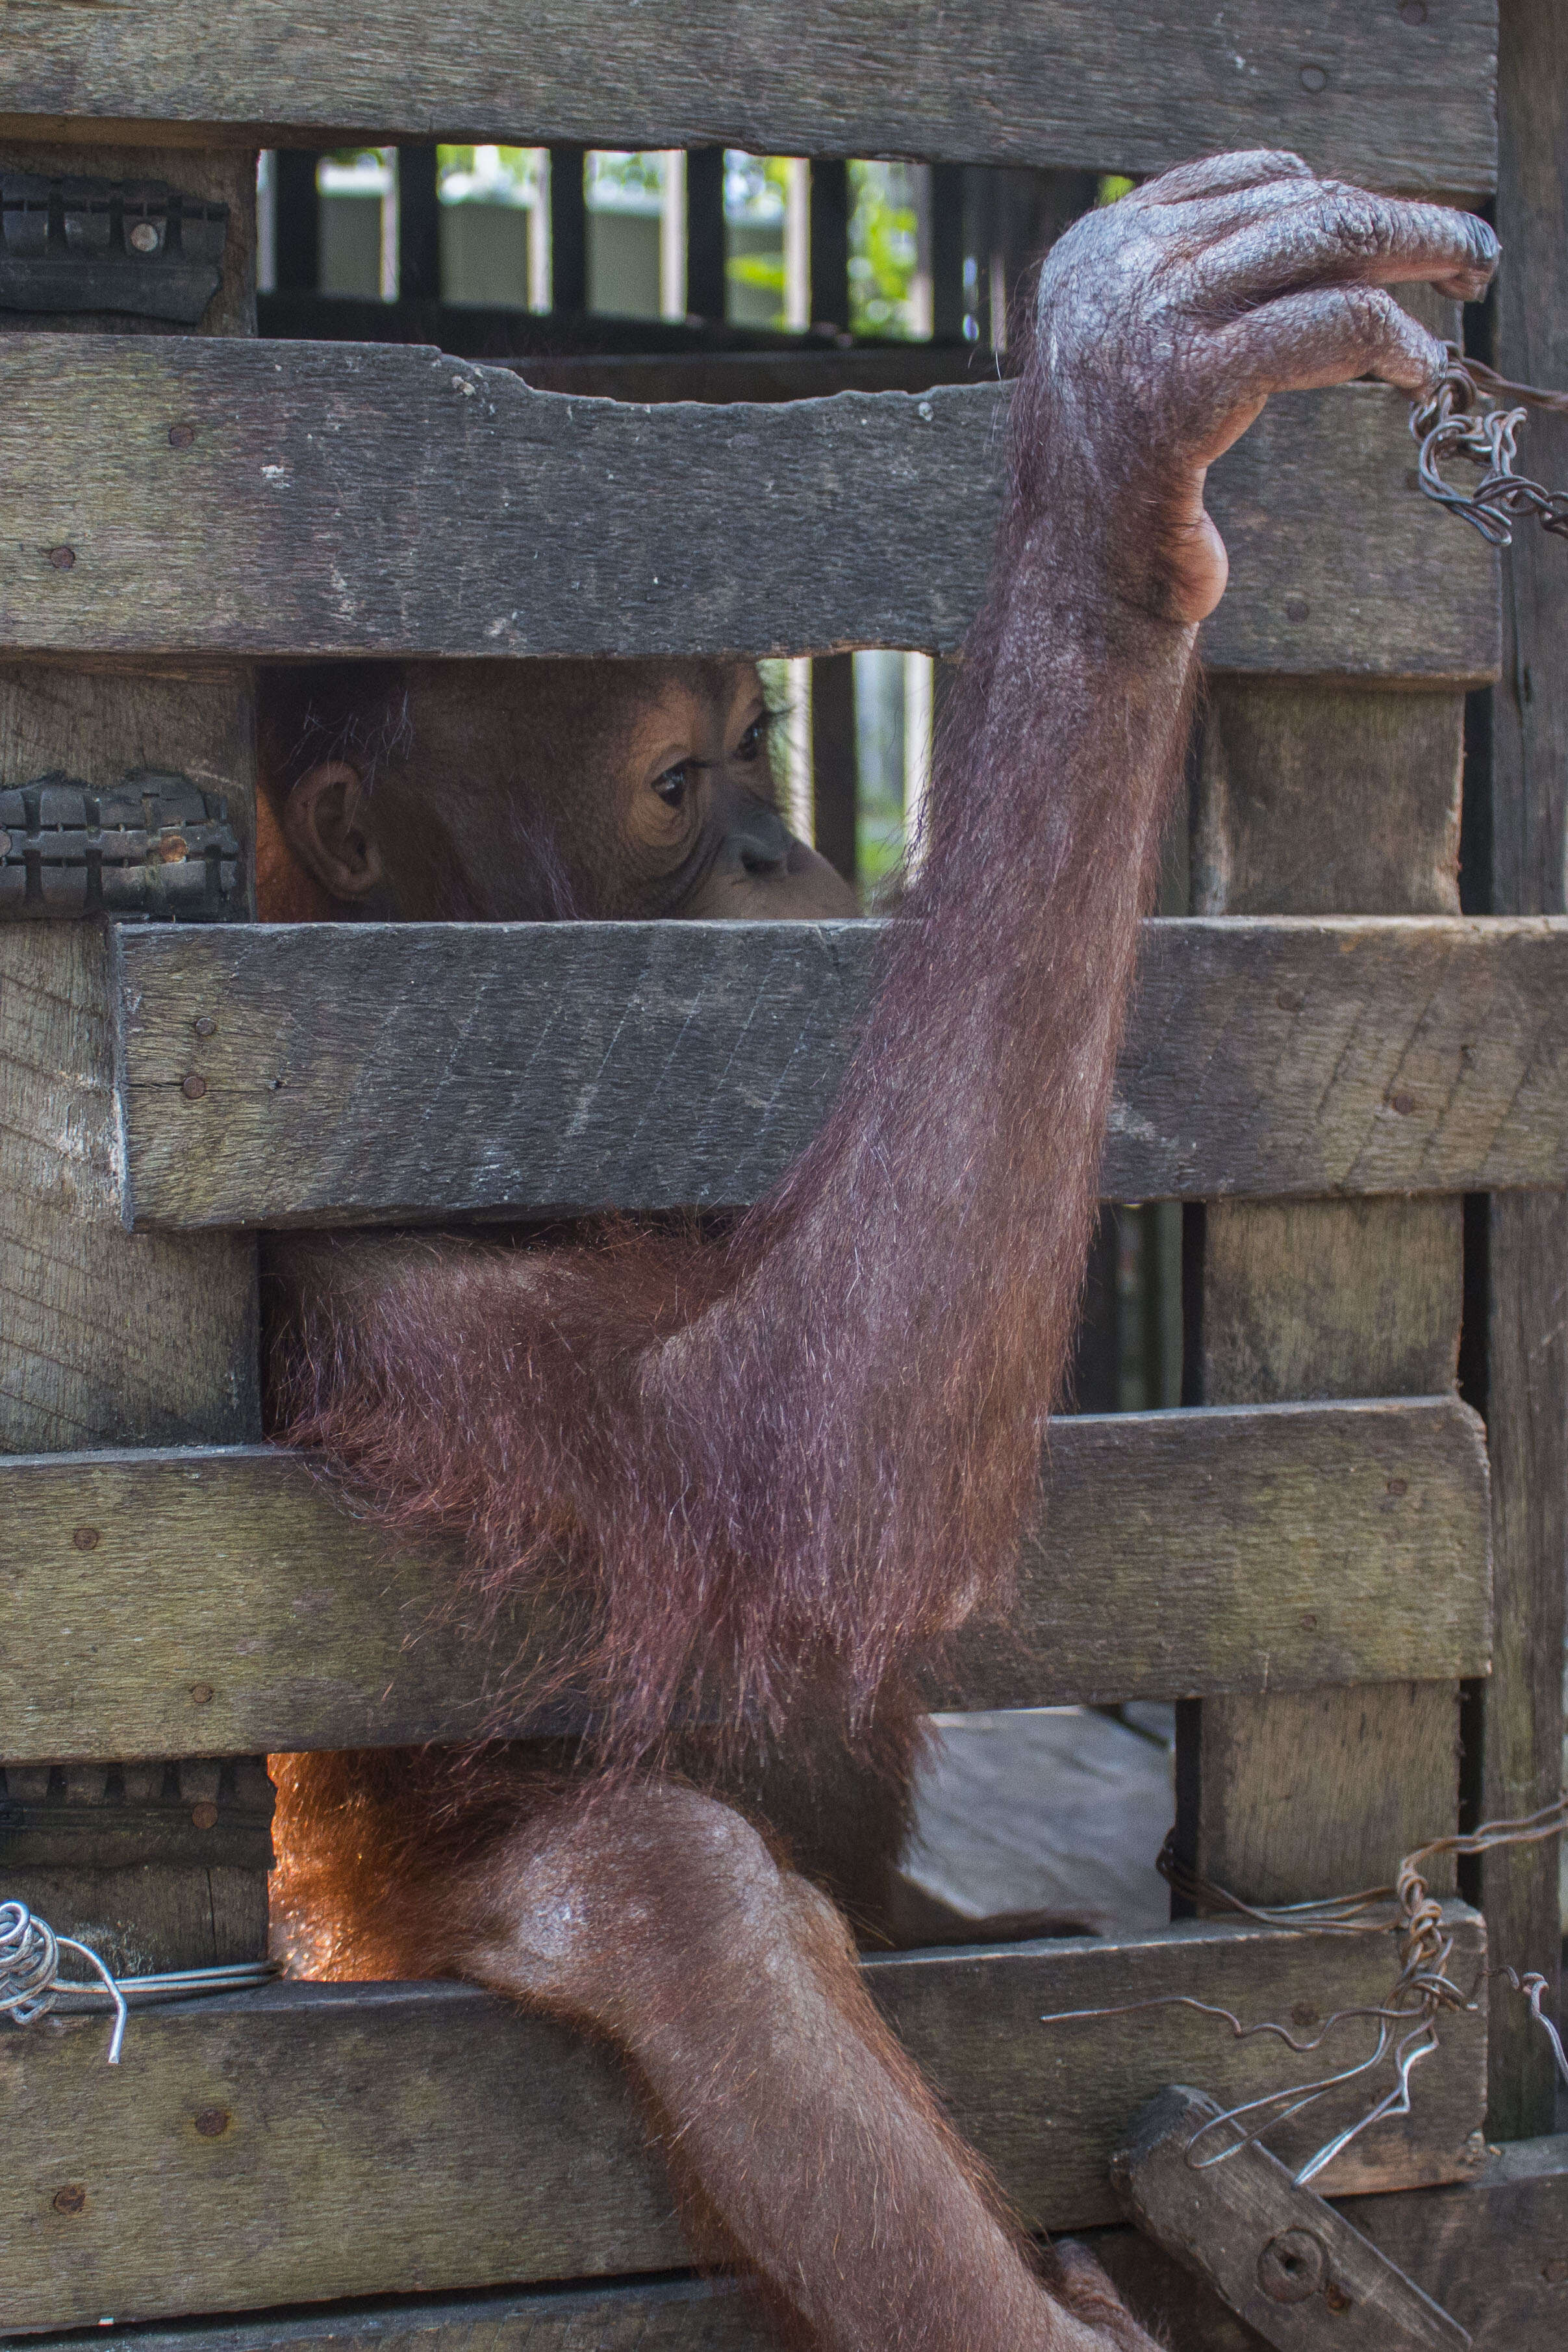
{"x":758,"y":843}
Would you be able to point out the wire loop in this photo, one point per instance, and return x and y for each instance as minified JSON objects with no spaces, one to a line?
{"x":30,"y":1979}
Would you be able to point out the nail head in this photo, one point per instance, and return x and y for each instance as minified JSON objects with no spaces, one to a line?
{"x":205,"y":1026}
{"x":85,"y":1538}
{"x":71,"y":2198}
{"x":204,"y":1817}
{"x":62,"y":558}
{"x":201,"y":1693}
{"x":193,"y":1087}
{"x":1314,"y":78}
{"x":180,"y":435}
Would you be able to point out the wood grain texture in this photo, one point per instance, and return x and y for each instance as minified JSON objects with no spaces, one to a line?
{"x":227,"y":175}
{"x":367,"y":1073}
{"x":1379,"y":774}
{"x":384,"y":2139}
{"x":300,"y":518}
{"x":1281,"y":2256}
{"x":1316,"y":1794}
{"x":1489,"y":2252}
{"x":1527,"y":1242}
{"x":1043,"y":81}
{"x":1176,"y":1553}
{"x":1489,"y":2249}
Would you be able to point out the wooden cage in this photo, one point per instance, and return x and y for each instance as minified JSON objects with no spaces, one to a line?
{"x":1351,"y":1579}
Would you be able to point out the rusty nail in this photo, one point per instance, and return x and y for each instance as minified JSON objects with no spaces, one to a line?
{"x":201,"y":1693}
{"x":1290,"y":1000}
{"x":1555,"y":2272}
{"x":193,"y":1087}
{"x":205,"y":1026}
{"x":212,"y":2123}
{"x":1335,"y":2296}
{"x":1314,"y":78}
{"x":204,"y":1817}
{"x":1297,"y":610}
{"x":180,"y":435}
{"x":71,"y":2198}
{"x":1403,"y":1104}
{"x":1308,"y":1620}
{"x":1399,"y":1486}
{"x":62,"y":558}
{"x":85,"y":1538}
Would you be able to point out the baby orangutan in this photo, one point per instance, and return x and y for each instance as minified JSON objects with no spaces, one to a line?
{"x":772,"y":1467}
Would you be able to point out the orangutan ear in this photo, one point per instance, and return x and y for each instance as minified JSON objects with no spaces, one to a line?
{"x":323,"y":825}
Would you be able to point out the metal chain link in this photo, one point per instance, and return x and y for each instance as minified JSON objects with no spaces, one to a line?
{"x":1460,"y":419}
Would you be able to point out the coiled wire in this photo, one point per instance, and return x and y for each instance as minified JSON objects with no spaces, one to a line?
{"x":30,"y":1971}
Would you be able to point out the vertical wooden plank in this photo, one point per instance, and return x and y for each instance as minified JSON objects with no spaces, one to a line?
{"x":297,"y":221}
{"x":1527,"y":1249}
{"x":947,"y":253}
{"x":108,"y":1337}
{"x":705,"y":233}
{"x":418,"y":226}
{"x":1311,"y":798}
{"x":830,"y":246}
{"x":834,"y":765}
{"x":568,"y":230}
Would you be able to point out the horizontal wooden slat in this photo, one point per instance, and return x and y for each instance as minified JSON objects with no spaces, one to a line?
{"x":1038,"y":81}
{"x":377,"y":2139}
{"x":228,"y":1604}
{"x":361,"y":1074}
{"x":1489,"y":2250}
{"x":356,"y":498}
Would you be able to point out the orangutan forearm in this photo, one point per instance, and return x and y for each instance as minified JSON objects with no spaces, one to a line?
{"x":807,"y":2146}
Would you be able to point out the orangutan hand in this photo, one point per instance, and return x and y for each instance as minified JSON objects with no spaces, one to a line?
{"x":1166,"y":320}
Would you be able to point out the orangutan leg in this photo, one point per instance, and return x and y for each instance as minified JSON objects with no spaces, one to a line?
{"x":658,"y":1918}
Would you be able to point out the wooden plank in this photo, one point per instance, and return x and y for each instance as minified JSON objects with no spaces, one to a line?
{"x":364,"y":1073}
{"x":1280,"y":2254}
{"x":1176,"y":1553}
{"x":1292,"y":1795}
{"x":380,"y":2139}
{"x":1491,"y":2252}
{"x":670,"y":2315}
{"x":1490,"y":2249}
{"x":1527,"y":1241}
{"x":300,"y":516}
{"x":1045,"y":81}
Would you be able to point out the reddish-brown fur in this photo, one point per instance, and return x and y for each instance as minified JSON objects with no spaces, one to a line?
{"x":768,"y":1470}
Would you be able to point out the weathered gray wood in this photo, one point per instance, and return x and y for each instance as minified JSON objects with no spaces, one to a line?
{"x":1282,"y":2257}
{"x":1491,"y":2252}
{"x":1043,"y":81}
{"x":1313,"y":1793}
{"x":1177,"y":1553}
{"x":1490,"y":2247}
{"x":300,"y":517}
{"x":361,"y":1074}
{"x":674,"y":2314}
{"x":1527,"y":1241}
{"x":380,"y":2139}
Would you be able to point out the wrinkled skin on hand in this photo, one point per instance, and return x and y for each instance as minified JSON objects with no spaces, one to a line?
{"x":1167,"y":320}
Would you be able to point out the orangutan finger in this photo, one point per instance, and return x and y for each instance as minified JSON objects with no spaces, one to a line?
{"x":1307,"y":341}
{"x":1348,"y":237}
{"x":1212,"y":175}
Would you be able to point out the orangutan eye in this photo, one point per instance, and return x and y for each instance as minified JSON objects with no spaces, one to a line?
{"x":751,"y":743}
{"x":671,"y":787}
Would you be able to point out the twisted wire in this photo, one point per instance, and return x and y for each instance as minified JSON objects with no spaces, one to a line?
{"x":29,"y":1972}
{"x":1421,"y":1992}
